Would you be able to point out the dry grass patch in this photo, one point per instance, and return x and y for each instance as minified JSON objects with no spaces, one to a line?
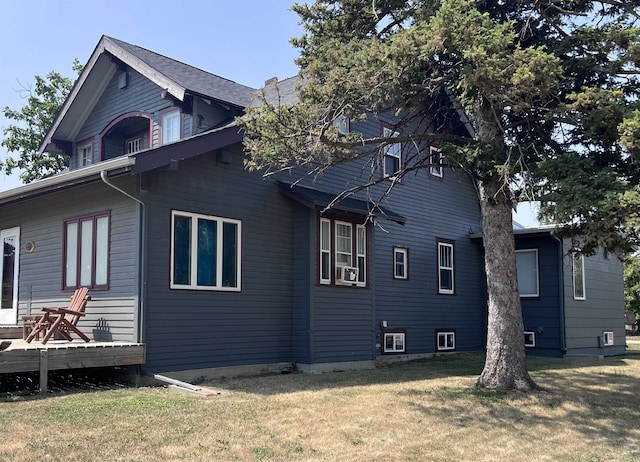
{"x":424,"y":410}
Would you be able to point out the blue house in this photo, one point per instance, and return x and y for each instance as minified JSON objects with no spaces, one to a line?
{"x":219,"y":270}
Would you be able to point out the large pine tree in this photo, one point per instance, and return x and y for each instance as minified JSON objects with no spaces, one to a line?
{"x":550,"y":88}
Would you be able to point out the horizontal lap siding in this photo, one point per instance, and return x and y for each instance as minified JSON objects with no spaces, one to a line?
{"x":40,"y":280}
{"x":190,"y":329}
{"x":603,"y":308}
{"x":543,"y":314}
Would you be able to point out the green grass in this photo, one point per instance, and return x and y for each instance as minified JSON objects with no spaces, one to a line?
{"x":417,"y":411}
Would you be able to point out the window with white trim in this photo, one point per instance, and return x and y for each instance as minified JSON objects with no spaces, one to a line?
{"x":607,"y":338}
{"x":342,"y":250}
{"x":529,"y":339}
{"x":85,"y":154}
{"x":578,"y":277}
{"x":342,"y":124}
{"x":170,"y":125}
{"x":86,"y":252}
{"x":445,"y":340}
{"x":527,"y":269}
{"x":400,"y":262}
{"x":391,"y":154}
{"x":394,"y":342}
{"x":435,"y":162}
{"x":205,"y":252}
{"x":446,"y":276}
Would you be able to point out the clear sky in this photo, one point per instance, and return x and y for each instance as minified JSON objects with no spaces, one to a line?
{"x":246,"y":41}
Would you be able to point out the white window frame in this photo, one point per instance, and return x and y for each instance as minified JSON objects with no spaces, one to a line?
{"x":537,"y":273}
{"x":85,"y":154}
{"x":398,"y":342}
{"x":342,"y":124}
{"x":87,"y":250}
{"x":443,"y":267}
{"x":607,"y":338}
{"x":403,"y":265}
{"x":171,"y":126}
{"x":193,"y":251}
{"x":529,"y":339}
{"x":391,"y":150}
{"x":435,"y":162}
{"x":576,"y":294}
{"x":328,"y":251}
{"x":446,"y":335}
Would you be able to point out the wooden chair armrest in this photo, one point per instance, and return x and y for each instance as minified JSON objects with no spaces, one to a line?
{"x":64,"y":311}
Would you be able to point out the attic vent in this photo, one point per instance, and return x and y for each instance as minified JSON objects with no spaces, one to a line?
{"x":123,"y":80}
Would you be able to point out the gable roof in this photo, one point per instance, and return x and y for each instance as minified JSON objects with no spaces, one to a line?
{"x":174,"y":77}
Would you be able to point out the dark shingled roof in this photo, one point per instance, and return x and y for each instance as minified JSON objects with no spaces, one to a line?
{"x":193,"y":79}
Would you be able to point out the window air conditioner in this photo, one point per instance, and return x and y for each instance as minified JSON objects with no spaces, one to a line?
{"x":346,"y":275}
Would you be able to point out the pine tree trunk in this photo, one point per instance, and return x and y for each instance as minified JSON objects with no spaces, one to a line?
{"x":505,"y":366}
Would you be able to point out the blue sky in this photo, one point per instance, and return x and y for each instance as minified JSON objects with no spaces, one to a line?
{"x":246,"y":41}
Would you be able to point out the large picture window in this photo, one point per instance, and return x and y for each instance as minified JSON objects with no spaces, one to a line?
{"x":205,"y":252}
{"x":86,"y":252}
{"x":446,"y":270}
{"x":527,"y":267}
{"x":342,"y":252}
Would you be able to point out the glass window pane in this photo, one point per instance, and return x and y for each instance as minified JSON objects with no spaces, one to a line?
{"x":324,"y":266}
{"x":102,"y":250}
{"x":230,"y":255}
{"x":71,"y":258}
{"x":527,"y":270}
{"x":325,"y":235}
{"x":446,"y":280}
{"x":181,"y":250}
{"x":207,"y":242}
{"x":86,"y":254}
{"x":578,"y":276}
{"x":8,"y":272}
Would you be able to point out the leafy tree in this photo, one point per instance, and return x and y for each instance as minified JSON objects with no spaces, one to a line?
{"x":32,"y":122}
{"x":549,"y":87}
{"x":632,"y":283}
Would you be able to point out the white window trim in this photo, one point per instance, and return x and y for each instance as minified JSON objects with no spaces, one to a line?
{"x":446,"y":335}
{"x":361,"y":253}
{"x":607,"y":338}
{"x":324,"y":251}
{"x":405,"y":262}
{"x":342,"y":124}
{"x":450,"y":268}
{"x":219,"y":245}
{"x":164,"y":118}
{"x":387,"y":151}
{"x":528,"y":334}
{"x":395,"y":348}
{"x":84,"y":160}
{"x":435,"y":157}
{"x":584,"y":287}
{"x":537,"y":293}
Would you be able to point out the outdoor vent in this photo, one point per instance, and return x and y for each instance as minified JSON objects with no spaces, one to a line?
{"x":123,"y":80}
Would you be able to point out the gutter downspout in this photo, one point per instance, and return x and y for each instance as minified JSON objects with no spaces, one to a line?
{"x":141,"y":282}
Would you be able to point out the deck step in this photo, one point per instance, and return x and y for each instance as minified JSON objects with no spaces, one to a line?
{"x":10,"y":332}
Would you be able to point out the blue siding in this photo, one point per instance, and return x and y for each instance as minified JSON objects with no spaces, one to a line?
{"x":543,"y":314}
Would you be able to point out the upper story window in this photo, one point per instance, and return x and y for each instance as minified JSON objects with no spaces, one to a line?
{"x":400,"y":262}
{"x":342,"y":124}
{"x":446,"y":269}
{"x":391,"y":154}
{"x":578,"y":277}
{"x":170,"y":126}
{"x":85,"y":154}
{"x":205,"y":252}
{"x":342,"y":252}
{"x":527,"y":268}
{"x":86,"y":252}
{"x":435,"y":163}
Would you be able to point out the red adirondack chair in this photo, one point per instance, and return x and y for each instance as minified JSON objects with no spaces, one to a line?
{"x":61,"y":320}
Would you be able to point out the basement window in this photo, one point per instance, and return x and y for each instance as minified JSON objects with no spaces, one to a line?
{"x":394,"y":342}
{"x":445,"y":340}
{"x":529,"y":339}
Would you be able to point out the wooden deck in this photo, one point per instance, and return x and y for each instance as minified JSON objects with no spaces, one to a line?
{"x":60,"y":354}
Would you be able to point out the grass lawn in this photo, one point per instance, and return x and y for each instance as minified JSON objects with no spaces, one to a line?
{"x":418,"y":411}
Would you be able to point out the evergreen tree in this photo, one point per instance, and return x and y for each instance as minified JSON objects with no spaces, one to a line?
{"x":550,"y":88}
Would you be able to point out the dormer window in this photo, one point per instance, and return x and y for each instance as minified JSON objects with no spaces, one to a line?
{"x":85,"y":154}
{"x":170,"y":123}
